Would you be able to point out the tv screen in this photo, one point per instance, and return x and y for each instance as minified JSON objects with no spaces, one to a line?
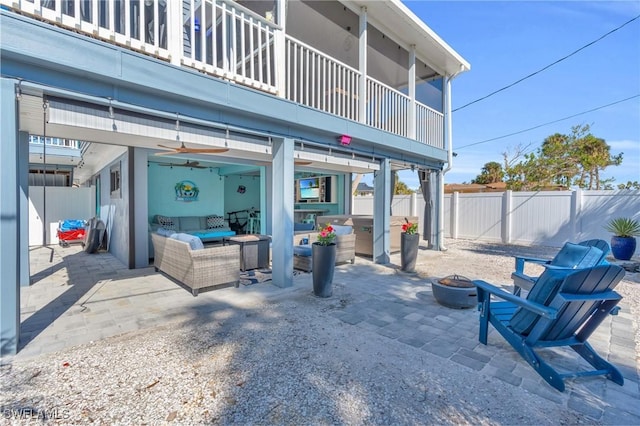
{"x":309,"y":188}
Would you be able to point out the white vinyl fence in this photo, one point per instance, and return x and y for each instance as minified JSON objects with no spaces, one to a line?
{"x":548,"y":218}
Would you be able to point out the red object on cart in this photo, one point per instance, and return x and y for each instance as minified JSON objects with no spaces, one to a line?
{"x":71,"y":231}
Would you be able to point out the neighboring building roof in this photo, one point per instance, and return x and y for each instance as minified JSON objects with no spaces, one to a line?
{"x":490,"y":187}
{"x":474,"y":187}
{"x":363,"y":188}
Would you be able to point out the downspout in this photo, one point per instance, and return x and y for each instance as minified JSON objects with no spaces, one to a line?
{"x":449,"y":143}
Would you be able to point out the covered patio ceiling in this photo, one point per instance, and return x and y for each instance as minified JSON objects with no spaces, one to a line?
{"x":109,"y":133}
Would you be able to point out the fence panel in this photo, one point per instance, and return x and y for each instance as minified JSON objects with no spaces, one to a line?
{"x":541,"y":217}
{"x":479,"y":216}
{"x":545,"y":218}
{"x":597,"y":207}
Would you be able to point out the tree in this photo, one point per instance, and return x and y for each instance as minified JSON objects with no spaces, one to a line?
{"x":629,"y":185}
{"x":575,"y":159}
{"x":491,"y":173}
{"x":401,"y":188}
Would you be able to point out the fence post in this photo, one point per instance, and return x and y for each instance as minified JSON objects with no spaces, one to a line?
{"x":576,"y":208}
{"x":455,"y":199}
{"x":413,"y":204}
{"x":507,"y":202}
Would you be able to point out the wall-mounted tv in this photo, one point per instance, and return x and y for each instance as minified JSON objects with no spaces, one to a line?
{"x":309,"y":188}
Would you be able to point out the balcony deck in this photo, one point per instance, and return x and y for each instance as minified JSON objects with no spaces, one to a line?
{"x":231,"y":42}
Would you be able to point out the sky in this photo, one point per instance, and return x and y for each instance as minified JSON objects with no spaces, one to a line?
{"x":506,"y":41}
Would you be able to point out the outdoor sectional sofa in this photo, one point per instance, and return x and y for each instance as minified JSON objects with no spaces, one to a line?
{"x":198,"y":267}
{"x":210,"y":228}
{"x":345,"y":247}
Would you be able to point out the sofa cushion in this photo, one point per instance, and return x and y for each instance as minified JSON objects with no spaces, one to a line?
{"x":214,"y":221}
{"x":342,"y":229}
{"x":303,"y":250}
{"x":166,"y":222}
{"x":194,"y":242}
{"x":189,"y":223}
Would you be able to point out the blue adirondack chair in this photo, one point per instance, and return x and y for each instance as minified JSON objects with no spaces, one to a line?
{"x":572,"y":256}
{"x":563,"y":308}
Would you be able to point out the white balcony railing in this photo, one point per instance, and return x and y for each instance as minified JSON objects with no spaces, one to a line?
{"x":318,"y":81}
{"x":242,"y":49}
{"x":57,"y":142}
{"x":227,"y":40}
{"x":429,"y":126}
{"x":387,"y":108}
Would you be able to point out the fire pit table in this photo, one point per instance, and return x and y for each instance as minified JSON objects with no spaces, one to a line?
{"x":455,"y":291}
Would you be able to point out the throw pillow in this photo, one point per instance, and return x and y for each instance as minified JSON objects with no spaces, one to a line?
{"x":166,"y":222}
{"x":215,"y":221}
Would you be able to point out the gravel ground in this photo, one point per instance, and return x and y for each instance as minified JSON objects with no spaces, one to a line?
{"x":286,"y":361}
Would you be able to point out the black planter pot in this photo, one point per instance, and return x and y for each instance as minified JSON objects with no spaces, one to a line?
{"x":409,"y":251}
{"x":323,"y":265}
{"x":623,"y":248}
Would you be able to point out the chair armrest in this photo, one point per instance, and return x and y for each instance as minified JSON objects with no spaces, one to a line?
{"x":536,"y":308}
{"x":521,"y":259}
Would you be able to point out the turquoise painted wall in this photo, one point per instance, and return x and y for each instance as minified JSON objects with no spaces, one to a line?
{"x":233,"y":200}
{"x":162,"y":195}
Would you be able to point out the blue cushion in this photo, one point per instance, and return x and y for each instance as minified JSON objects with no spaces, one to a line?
{"x":342,"y":229}
{"x":542,"y":292}
{"x":194,"y":242}
{"x":302,"y":250}
{"x":303,"y":226}
{"x":165,"y":232}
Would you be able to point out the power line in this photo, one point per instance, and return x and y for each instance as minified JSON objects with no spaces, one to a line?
{"x":548,"y":66}
{"x":550,"y":122}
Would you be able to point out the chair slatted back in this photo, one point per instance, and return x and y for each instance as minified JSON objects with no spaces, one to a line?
{"x":601,"y":244}
{"x":573,"y":314}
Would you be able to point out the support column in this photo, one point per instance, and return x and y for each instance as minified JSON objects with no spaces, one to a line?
{"x":282,"y":212}
{"x":280,"y":48}
{"x":139,"y":206}
{"x":174,"y":33}
{"x":412,"y":92}
{"x":381,"y":212}
{"x":438,"y":241}
{"x":362,"y":67}
{"x":347,"y":191}
{"x":23,"y":208}
{"x":9,"y":221}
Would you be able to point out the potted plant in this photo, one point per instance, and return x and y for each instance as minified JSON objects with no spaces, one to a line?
{"x":623,"y":242}
{"x":323,"y":258}
{"x":409,"y":239}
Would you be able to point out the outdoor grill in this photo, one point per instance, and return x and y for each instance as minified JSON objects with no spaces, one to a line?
{"x":455,"y":291}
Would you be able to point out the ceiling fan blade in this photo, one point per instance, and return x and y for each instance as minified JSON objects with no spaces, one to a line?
{"x":167,"y":147}
{"x":302,"y":162}
{"x":166,"y":153}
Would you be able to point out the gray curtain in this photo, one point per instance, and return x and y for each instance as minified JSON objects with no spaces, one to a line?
{"x":424,"y":176}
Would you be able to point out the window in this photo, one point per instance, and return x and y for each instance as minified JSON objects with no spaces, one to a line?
{"x":115,"y":181}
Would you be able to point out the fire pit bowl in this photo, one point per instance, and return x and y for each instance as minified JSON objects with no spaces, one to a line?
{"x":455,"y":291}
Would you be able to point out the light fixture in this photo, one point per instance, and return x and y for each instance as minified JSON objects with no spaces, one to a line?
{"x":344,"y":140}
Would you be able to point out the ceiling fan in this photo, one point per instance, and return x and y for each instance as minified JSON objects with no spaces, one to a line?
{"x":182,"y":149}
{"x":191,"y":164}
